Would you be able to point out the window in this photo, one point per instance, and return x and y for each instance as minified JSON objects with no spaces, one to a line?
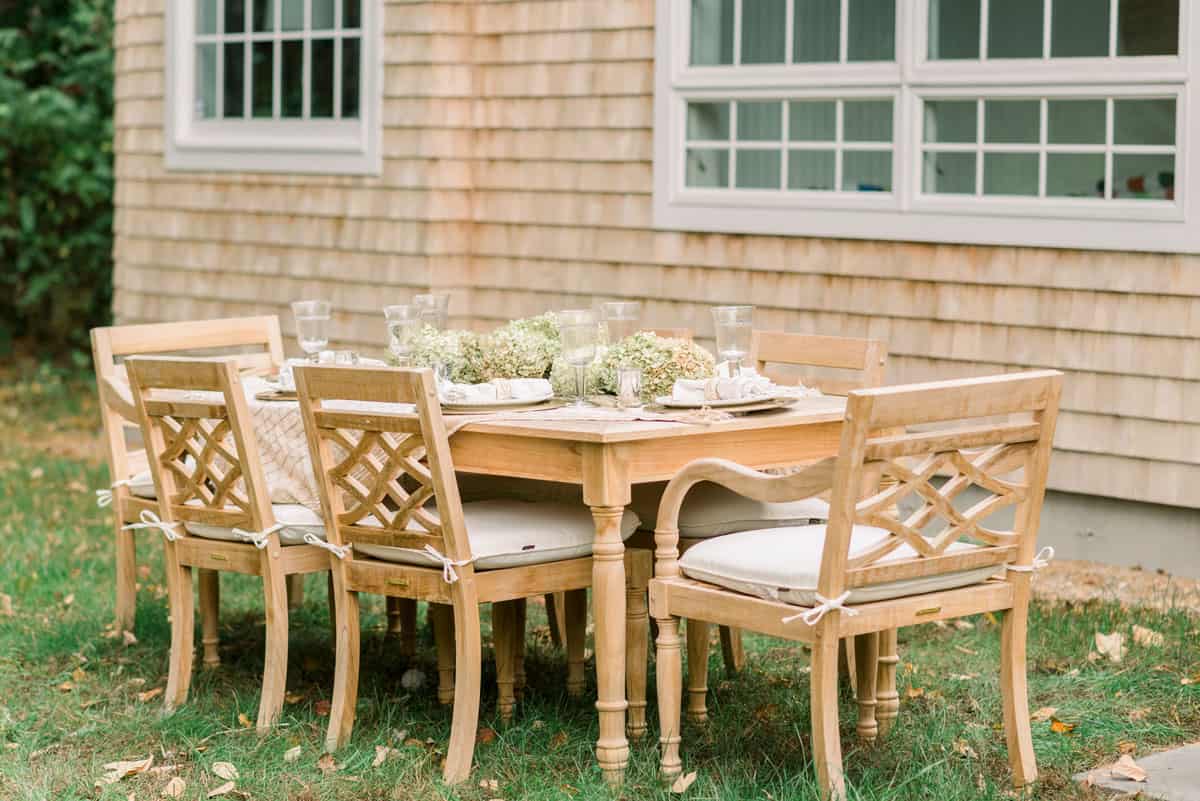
{"x":1039,"y":122}
{"x":274,"y":85}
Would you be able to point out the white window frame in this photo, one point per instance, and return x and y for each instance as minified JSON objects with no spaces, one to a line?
{"x":907,"y":213}
{"x":318,"y":146}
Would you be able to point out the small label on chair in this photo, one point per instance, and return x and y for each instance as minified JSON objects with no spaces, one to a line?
{"x":395,"y":582}
{"x":933,"y":610}
{"x":219,"y":557}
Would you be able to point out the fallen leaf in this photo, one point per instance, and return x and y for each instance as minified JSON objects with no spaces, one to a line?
{"x":150,"y":694}
{"x":222,"y":790}
{"x":1127,"y":746}
{"x":36,"y":473}
{"x":127,"y":638}
{"x":244,"y":720}
{"x":1147,"y":637}
{"x":1126,"y":768}
{"x":225,"y":770}
{"x":292,"y":754}
{"x":70,"y":599}
{"x":6,"y":607}
{"x":78,"y":674}
{"x":383,"y":754}
{"x":326,"y":764}
{"x":115,"y":771}
{"x":963,"y":748}
{"x":1059,"y":727}
{"x":766,"y":712}
{"x":1139,"y":714}
{"x":322,"y":707}
{"x":558,"y":740}
{"x":683,"y":782}
{"x":491,"y":785}
{"x":413,"y":742}
{"x":964,"y":676}
{"x":66,"y":686}
{"x":1111,"y":645}
{"x":174,"y":788}
{"x":914,"y":692}
{"x":1187,"y":680}
{"x":485,"y":735}
{"x":1045,"y":713}
{"x":293,"y":698}
{"x":962,"y":649}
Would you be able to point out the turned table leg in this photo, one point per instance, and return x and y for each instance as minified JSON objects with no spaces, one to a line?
{"x":608,"y":588}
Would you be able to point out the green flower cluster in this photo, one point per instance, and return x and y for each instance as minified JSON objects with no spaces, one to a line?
{"x":562,"y":376}
{"x":662,"y":359}
{"x":431,"y":347}
{"x":523,"y":348}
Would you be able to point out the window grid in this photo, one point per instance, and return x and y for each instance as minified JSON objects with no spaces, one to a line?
{"x":789,"y":36}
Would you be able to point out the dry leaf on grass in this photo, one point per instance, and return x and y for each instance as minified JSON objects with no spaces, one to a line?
{"x":1111,"y":645}
{"x":173,"y":788}
{"x":684,"y":781}
{"x":115,"y":771}
{"x":326,"y":764}
{"x":963,"y":748}
{"x":914,"y":692}
{"x":491,"y":785}
{"x":293,"y":698}
{"x":383,"y":754}
{"x":150,"y":695}
{"x":1059,"y":727}
{"x":485,"y":735}
{"x":1187,"y":680}
{"x":558,"y":740}
{"x":70,"y":599}
{"x":1045,"y":713}
{"x":292,"y":754}
{"x":127,"y":638}
{"x":1126,"y":768}
{"x":6,"y":607}
{"x":1127,"y":746}
{"x":322,"y":707}
{"x":1147,"y":637}
{"x":218,"y":791}
{"x":244,"y":720}
{"x":225,"y":770}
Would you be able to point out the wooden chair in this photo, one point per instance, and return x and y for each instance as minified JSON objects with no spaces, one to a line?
{"x":378,"y":469}
{"x":872,"y":571}
{"x":214,"y":510}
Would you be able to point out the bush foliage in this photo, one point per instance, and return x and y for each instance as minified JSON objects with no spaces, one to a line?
{"x":56,"y":170}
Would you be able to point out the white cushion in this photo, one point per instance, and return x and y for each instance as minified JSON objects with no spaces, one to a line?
{"x":142,"y":485}
{"x":300,"y":520}
{"x":783,"y":564}
{"x":512,"y":533}
{"x":710,"y":510}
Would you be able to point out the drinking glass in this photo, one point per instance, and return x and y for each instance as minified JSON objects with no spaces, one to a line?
{"x":629,"y":387}
{"x":312,"y":325}
{"x":403,"y":323}
{"x":578,"y":330}
{"x":734,"y":326}
{"x":620,"y":319}
{"x":434,"y":309}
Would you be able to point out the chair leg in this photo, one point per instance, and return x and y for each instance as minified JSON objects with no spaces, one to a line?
{"x":669,"y":669}
{"x":555,"y":617}
{"x":210,"y":606}
{"x":345,"y":670}
{"x":274,"y":685}
{"x":697,"y":648}
{"x":888,"y":708}
{"x":295,"y":591}
{"x":443,"y":637}
{"x":504,"y":616}
{"x":575,"y":614}
{"x":846,"y":666}
{"x":732,"y":650}
{"x":1015,"y":693}
{"x":521,"y":608}
{"x":182,"y":606}
{"x":866,"y":655}
{"x":637,"y":629}
{"x":126,"y":604}
{"x":408,"y":627}
{"x":827,"y":746}
{"x":331,"y":600}
{"x":467,"y":655}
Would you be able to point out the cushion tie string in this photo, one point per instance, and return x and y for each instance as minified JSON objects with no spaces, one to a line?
{"x":151,"y":520}
{"x":259,"y":538}
{"x":339,"y":551}
{"x":813,"y":616}
{"x":104,"y":497}
{"x":1042,"y":559}
{"x":449,"y":575}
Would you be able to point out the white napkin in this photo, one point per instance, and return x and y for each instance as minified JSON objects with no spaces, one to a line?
{"x":749,"y":385}
{"x":498,"y":389}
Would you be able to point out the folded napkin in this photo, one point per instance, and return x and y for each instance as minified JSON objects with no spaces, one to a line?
{"x":749,"y":385}
{"x":498,"y":389}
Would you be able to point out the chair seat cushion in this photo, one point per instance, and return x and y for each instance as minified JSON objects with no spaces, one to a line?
{"x":512,"y":533}
{"x":142,"y":485}
{"x":299,"y":520}
{"x":710,"y":510}
{"x":783,"y":564}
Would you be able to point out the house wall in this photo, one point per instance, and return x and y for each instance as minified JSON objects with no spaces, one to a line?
{"x":518,"y":177}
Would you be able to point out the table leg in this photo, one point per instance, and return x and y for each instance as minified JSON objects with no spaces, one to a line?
{"x":888,"y":708}
{"x":608,"y":588}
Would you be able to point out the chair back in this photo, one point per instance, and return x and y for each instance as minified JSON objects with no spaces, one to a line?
{"x":379,"y":466}
{"x":959,"y":435}
{"x":200,"y":442}
{"x":823,"y":361}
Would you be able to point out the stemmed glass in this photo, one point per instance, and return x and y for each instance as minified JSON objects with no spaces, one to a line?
{"x":734,"y":326}
{"x":312,"y":325}
{"x":433,"y":308}
{"x":578,"y":330}
{"x":620,"y":319}
{"x":403,"y":322}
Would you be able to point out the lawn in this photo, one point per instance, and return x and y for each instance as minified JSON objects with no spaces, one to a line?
{"x":75,"y":695}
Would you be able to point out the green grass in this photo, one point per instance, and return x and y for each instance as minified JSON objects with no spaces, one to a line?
{"x":69,"y":695}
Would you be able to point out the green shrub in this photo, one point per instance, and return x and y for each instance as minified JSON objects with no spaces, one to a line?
{"x":56,"y":171}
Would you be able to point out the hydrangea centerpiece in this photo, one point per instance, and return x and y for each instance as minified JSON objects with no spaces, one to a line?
{"x":662,"y":360}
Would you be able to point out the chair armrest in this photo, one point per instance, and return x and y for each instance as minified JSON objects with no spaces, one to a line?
{"x":111,"y":397}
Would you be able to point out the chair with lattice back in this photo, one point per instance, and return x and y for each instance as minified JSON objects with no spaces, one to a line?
{"x":870,"y":569}
{"x":213,"y":507}
{"x":397,"y":527}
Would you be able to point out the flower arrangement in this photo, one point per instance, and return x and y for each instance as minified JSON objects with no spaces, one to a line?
{"x":662,"y":360}
{"x":562,"y":377}
{"x":524,"y":348}
{"x":431,"y":347}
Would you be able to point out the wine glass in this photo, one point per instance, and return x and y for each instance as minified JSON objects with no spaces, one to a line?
{"x":403,"y":322}
{"x":433,"y":309}
{"x":620,"y":319}
{"x":312,"y":325}
{"x":734,"y":326}
{"x":578,"y":330}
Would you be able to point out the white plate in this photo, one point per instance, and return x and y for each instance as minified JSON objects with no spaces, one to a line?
{"x":497,"y":403}
{"x":671,"y":403}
